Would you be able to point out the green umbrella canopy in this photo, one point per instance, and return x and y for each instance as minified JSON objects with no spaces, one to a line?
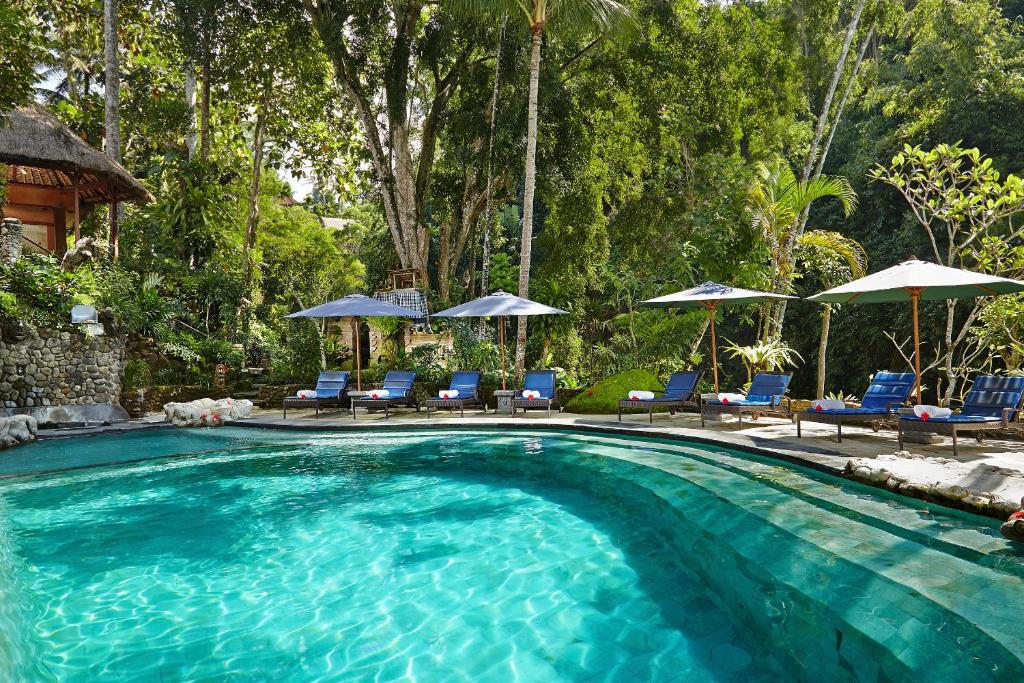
{"x":913,"y":281}
{"x":711,"y":295}
{"x":931,"y":282}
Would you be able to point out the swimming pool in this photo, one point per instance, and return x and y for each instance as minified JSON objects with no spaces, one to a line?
{"x":483,"y":556}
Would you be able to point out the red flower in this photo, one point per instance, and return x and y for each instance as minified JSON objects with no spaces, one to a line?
{"x":817,"y":408}
{"x":725,"y":401}
{"x":924,"y":417}
{"x":634,"y":398}
{"x":530,"y":397}
{"x":1019,"y":514}
{"x":216,"y":416}
{"x":590,"y":392}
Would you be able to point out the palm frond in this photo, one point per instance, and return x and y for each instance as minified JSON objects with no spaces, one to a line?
{"x":849,"y":250}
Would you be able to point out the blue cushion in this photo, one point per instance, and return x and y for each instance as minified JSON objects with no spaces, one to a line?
{"x":680,"y":386}
{"x":888,"y":388}
{"x":741,"y":403}
{"x":542,"y":381}
{"x":991,"y":393}
{"x":851,"y":411}
{"x":466,"y":382}
{"x":769,"y":384}
{"x":954,"y":418}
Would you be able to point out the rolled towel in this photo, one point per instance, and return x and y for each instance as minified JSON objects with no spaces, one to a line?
{"x":447,"y":394}
{"x":529,"y":394}
{"x":378,"y":393}
{"x":306,"y":393}
{"x":731,"y":398}
{"x":827,"y":404}
{"x":641,"y":395}
{"x":928,"y":412}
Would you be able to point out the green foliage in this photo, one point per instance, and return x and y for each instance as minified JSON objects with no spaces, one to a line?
{"x":137,"y":374}
{"x":504,"y":275}
{"x":9,"y":311}
{"x":604,"y":397}
{"x":21,"y":53}
{"x":44,"y":292}
{"x":763,"y":356}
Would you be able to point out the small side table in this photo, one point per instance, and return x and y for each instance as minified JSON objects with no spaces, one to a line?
{"x":504,"y":399}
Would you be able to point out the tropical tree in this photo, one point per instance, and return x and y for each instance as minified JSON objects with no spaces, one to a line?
{"x":775,"y":203}
{"x":836,"y":259}
{"x":112,"y":104}
{"x":576,"y":16}
{"x":966,"y":209}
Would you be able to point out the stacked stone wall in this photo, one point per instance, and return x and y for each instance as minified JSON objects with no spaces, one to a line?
{"x":58,"y":368}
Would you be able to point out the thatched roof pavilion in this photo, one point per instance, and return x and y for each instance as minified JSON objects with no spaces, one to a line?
{"x":55,"y":177}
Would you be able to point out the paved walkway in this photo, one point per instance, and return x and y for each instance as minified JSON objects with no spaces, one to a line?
{"x":993,"y":466}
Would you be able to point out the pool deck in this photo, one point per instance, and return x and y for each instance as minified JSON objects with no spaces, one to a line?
{"x":994,"y":466}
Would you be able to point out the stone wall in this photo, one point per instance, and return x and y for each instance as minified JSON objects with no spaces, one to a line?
{"x":10,"y":240}
{"x":55,"y":368}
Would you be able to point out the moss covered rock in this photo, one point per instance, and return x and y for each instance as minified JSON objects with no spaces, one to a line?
{"x":604,"y":397}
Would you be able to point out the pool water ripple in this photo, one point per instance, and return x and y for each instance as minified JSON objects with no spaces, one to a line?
{"x":481,"y":557}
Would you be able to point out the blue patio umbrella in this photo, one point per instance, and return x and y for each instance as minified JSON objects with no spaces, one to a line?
{"x":500,"y":304}
{"x":357,"y":306}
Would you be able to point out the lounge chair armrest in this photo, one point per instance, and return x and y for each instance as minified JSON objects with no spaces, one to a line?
{"x":1007,"y":412}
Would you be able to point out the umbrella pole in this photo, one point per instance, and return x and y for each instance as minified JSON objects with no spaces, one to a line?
{"x":359,"y":360}
{"x":714,"y":344}
{"x":915,"y":294}
{"x":501,"y":343}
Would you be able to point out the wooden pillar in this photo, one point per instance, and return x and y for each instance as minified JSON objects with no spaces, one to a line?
{"x":78,"y":211}
{"x":60,"y":230}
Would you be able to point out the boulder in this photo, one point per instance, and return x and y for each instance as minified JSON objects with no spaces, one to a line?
{"x":207,"y":412}
{"x":17,"y":429}
{"x":1013,"y":528}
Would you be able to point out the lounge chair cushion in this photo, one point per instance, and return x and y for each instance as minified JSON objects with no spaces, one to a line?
{"x":888,"y":389}
{"x":850,"y":411}
{"x":954,"y":419}
{"x":542,"y":381}
{"x":681,"y":386}
{"x":744,"y":402}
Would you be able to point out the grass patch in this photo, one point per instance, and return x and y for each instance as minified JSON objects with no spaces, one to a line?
{"x":604,"y":397}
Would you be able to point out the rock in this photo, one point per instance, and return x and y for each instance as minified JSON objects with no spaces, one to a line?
{"x":17,"y":429}
{"x":207,"y":412}
{"x":1013,"y":528}
{"x":78,"y":254}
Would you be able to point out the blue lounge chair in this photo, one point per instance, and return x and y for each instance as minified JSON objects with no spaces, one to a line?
{"x":887,"y":392}
{"x":766,"y":396}
{"x":400,"y":393}
{"x":467,"y":383}
{"x":331,"y":390}
{"x":992,"y":403}
{"x":542,"y":381}
{"x":679,"y":392}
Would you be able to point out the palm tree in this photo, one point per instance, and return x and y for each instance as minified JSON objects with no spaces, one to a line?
{"x":775,"y":202}
{"x":112,"y":105}
{"x":832,"y":250}
{"x":576,"y":16}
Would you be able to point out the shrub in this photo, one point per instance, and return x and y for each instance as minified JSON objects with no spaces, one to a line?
{"x":9,"y":313}
{"x":137,"y":374}
{"x":604,"y":396}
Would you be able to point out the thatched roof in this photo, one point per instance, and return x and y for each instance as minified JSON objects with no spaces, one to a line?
{"x":43,"y":151}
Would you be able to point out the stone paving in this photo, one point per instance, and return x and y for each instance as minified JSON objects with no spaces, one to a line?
{"x":994,"y":466}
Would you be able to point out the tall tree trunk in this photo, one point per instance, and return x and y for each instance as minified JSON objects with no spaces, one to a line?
{"x":826,"y":321}
{"x":526,"y":244}
{"x":815,"y":153}
{"x":485,"y":258}
{"x":204,"y":107}
{"x":112,"y":105}
{"x":192,"y":136}
{"x":253,"y":215}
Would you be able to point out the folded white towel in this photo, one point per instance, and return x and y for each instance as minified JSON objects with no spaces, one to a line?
{"x":306,"y":393}
{"x":827,"y":404}
{"x":529,"y":394}
{"x":448,"y":393}
{"x":378,"y":393}
{"x":641,"y":395}
{"x":928,"y":412}
{"x":731,"y":398}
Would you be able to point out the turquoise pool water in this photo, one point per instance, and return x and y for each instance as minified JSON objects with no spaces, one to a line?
{"x":482,"y":556}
